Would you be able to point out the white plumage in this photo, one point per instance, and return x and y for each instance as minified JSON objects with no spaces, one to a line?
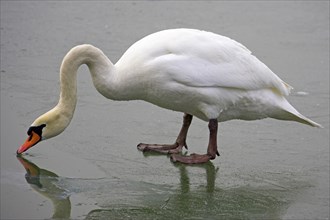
{"x":196,"y":72}
{"x":204,"y":74}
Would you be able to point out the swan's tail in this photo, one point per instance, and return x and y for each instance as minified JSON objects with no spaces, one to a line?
{"x":292,"y":114}
{"x":302,"y":119}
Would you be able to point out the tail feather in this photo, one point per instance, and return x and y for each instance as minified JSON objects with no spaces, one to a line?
{"x":304,"y":120}
{"x":293,"y":115}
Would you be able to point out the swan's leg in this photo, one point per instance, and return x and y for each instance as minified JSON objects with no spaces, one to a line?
{"x":212,"y":150}
{"x":171,"y":148}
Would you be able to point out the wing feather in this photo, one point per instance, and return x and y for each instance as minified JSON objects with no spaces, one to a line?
{"x":217,"y":61}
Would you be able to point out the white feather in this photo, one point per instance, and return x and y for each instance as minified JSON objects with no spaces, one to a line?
{"x":196,"y":72}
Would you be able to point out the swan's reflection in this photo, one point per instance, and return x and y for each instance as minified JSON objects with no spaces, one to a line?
{"x":45,"y":183}
{"x":210,"y":176}
{"x":193,"y":198}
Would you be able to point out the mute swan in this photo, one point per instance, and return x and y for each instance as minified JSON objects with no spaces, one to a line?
{"x":196,"y":72}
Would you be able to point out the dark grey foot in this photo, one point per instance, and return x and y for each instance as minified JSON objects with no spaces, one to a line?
{"x":161,"y":148}
{"x":191,"y":159}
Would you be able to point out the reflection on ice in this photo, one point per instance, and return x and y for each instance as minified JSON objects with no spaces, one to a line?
{"x":45,"y":183}
{"x":124,"y":199}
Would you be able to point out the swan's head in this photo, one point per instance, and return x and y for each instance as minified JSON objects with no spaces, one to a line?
{"x":46,"y":126}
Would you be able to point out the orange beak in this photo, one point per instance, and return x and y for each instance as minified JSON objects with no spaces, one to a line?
{"x":32,"y":140}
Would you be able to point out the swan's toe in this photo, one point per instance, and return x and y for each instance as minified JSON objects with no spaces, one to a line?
{"x":142,"y":147}
{"x":161,"y":148}
{"x":191,"y":159}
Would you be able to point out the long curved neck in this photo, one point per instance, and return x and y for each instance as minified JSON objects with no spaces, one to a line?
{"x":100,"y":67}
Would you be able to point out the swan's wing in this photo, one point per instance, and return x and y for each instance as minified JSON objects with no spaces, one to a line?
{"x":211,"y":60}
{"x":240,"y":74}
{"x":199,"y":59}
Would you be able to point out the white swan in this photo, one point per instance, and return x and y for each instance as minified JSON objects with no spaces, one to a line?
{"x":196,"y":72}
